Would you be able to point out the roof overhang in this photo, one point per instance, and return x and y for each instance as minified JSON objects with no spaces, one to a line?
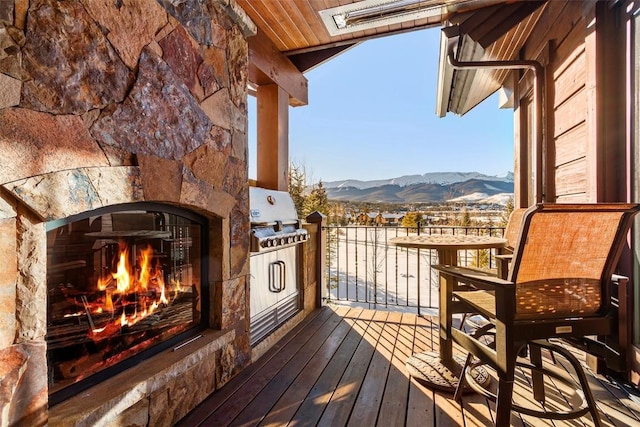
{"x":493,"y":34}
{"x":365,"y":15}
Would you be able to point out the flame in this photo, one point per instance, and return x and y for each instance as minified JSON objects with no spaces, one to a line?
{"x":145,"y":270}
{"x":123,"y":279}
{"x":163,"y":298}
{"x":108,"y":301}
{"x":103,"y":282}
{"x":146,"y":290}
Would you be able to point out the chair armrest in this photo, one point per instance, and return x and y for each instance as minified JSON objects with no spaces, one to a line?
{"x":503,"y":261}
{"x":473,"y":277}
{"x":481,"y":302}
{"x":616,"y":278}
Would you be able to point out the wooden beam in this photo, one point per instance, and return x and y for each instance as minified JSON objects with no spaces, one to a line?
{"x":605,"y":79}
{"x":611,"y":75}
{"x":306,"y":61}
{"x":267,"y":65}
{"x":273,"y":138}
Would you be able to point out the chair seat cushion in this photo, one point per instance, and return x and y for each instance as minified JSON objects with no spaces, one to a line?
{"x":545,"y":298}
{"x":558,"y":298}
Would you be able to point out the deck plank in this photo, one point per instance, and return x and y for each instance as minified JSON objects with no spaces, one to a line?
{"x":238,"y":402}
{"x":224,"y":404}
{"x":393,"y":408}
{"x":346,"y":366}
{"x":310,"y":411}
{"x":448,"y":411}
{"x":367,"y":403}
{"x":613,"y":412}
{"x":476,"y":410}
{"x":292,"y":399}
{"x":338,"y":409}
{"x":253,"y":413}
{"x":420,"y":406}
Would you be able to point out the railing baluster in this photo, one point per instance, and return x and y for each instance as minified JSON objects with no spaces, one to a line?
{"x":350,"y":252}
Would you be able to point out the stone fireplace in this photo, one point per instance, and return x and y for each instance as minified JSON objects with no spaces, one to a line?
{"x":123,"y":107}
{"x":121,"y":285}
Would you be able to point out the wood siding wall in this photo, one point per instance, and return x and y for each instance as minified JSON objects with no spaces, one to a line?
{"x":562,"y":29}
{"x":581,"y":45}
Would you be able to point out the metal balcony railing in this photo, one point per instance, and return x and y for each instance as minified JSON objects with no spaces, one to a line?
{"x":362,"y":269}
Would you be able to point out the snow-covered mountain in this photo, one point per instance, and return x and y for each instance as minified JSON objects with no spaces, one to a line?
{"x":484,"y":198}
{"x":461,"y":187}
{"x":441,"y":178}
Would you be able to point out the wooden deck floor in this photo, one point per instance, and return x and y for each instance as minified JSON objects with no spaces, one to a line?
{"x":344,"y":367}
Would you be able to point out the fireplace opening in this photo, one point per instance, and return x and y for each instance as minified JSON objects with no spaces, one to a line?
{"x":123,"y":284}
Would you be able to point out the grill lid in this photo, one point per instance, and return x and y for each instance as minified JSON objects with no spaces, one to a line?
{"x":274,"y":220}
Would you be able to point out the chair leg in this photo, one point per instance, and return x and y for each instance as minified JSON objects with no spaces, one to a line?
{"x":582,"y":377}
{"x":462,"y":320}
{"x":537,"y":377}
{"x":457,"y":395}
{"x":506,"y":369}
{"x":588,"y":395}
{"x":503,"y":402}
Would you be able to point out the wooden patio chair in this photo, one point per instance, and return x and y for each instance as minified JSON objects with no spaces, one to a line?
{"x":503,"y":258}
{"x":558,"y":286}
{"x":511,"y":233}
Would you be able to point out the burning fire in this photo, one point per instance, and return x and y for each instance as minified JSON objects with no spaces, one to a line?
{"x":136,"y":292}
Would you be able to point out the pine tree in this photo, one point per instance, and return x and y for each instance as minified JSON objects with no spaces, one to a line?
{"x":317,"y":200}
{"x":465,"y":218}
{"x":411,"y":219}
{"x":507,"y":212}
{"x":297,"y":187}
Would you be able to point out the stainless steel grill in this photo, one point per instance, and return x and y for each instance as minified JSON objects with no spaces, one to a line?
{"x":275,"y":261}
{"x":274,"y":220}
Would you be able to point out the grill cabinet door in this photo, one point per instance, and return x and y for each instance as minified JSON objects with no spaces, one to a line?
{"x":273,"y":289}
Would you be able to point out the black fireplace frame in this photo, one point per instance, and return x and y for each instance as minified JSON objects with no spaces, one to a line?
{"x":173,"y":342}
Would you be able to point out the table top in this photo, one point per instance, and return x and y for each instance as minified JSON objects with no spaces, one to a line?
{"x":448,"y":241}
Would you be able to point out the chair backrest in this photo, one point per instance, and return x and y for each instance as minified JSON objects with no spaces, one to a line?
{"x":512,"y":230}
{"x":565,"y":256}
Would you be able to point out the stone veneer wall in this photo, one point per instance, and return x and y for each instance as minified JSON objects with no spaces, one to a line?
{"x":105,"y":102}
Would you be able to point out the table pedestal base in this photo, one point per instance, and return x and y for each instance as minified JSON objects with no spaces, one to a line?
{"x":429,"y":370}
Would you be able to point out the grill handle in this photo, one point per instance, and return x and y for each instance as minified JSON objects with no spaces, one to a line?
{"x":277,"y":276}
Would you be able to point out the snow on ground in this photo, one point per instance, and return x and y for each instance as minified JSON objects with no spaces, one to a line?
{"x":366,"y":271}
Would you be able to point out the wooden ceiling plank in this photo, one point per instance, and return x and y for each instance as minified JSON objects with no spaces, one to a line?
{"x":517,"y":15}
{"x":295,"y":25}
{"x":258,"y":16}
{"x":268,"y":65}
{"x":280,"y":22}
{"x":555,"y":14}
{"x":302,"y":13}
{"x":287,"y":15}
{"x":469,"y":22}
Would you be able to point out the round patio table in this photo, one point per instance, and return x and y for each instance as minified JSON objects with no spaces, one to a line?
{"x":442,"y":369}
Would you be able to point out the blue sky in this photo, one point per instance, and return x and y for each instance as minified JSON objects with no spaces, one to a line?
{"x":371,"y":115}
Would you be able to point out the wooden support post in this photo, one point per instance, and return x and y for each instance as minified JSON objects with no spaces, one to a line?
{"x":273,"y":137}
{"x":320,"y":256}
